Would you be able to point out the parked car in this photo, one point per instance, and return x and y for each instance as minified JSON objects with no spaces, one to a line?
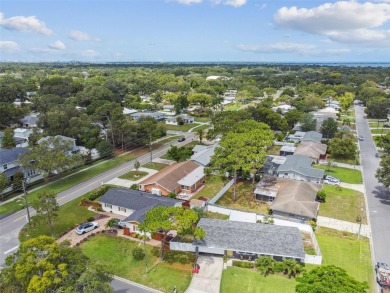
{"x":181,"y":139}
{"x":328,"y":177}
{"x":386,"y":126}
{"x":360,"y":137}
{"x":332,"y":182}
{"x":382,"y":271}
{"x":120,"y":223}
{"x":84,"y":228}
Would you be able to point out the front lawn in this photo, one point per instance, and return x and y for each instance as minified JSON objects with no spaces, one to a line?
{"x":383,"y":131}
{"x":69,"y":214}
{"x":202,"y":119}
{"x":155,"y":166}
{"x":184,"y":127}
{"x":342,"y":204}
{"x":245,"y":199}
{"x":342,"y":249}
{"x":236,"y":280}
{"x":134,"y":175}
{"x":350,"y":161}
{"x":115,"y":253}
{"x":344,"y":174}
{"x":214,"y":183}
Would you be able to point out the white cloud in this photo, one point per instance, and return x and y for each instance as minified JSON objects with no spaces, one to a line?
{"x":67,"y":53}
{"x":234,"y":3}
{"x":281,"y":48}
{"x":89,"y":53}
{"x":57,"y":45}
{"x":363,"y":36}
{"x":81,"y":36}
{"x":25,"y":24}
{"x":187,"y":2}
{"x":9,"y":46}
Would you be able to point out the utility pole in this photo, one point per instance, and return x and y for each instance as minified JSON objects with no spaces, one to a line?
{"x":26,"y":201}
{"x":361,"y":220}
{"x":150,"y":148}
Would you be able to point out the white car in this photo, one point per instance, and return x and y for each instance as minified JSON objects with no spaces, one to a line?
{"x":332,"y":182}
{"x":84,"y":228}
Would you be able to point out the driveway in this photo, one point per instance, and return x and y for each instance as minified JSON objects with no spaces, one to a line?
{"x":208,"y":280}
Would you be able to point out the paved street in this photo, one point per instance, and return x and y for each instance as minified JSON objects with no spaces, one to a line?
{"x":11,"y":225}
{"x":121,"y":285}
{"x":378,"y":197}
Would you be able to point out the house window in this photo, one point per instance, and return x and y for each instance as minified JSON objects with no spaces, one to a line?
{"x":108,"y":205}
{"x":285,"y":174}
{"x":121,"y":209}
{"x":184,"y":187}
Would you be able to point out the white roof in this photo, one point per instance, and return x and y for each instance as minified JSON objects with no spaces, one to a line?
{"x":129,"y":111}
{"x":193,"y":177}
{"x":288,"y":148}
{"x":279,"y":160}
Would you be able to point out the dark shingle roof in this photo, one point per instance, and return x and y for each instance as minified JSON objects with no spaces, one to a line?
{"x":11,"y":155}
{"x":302,"y":165}
{"x":136,"y":200}
{"x":312,"y":136}
{"x":252,"y":237}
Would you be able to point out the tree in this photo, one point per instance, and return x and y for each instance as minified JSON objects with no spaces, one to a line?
{"x":385,"y":143}
{"x":111,"y":223}
{"x":200,"y":133}
{"x":137,"y":165}
{"x":343,"y":146}
{"x":377,"y":107}
{"x":308,"y":123}
{"x":328,"y":279}
{"x":265,"y":265}
{"x":52,"y":154}
{"x":199,"y":233}
{"x":346,"y":101}
{"x":293,"y":116}
{"x":179,"y":120}
{"x":202,"y":99}
{"x":291,"y":267}
{"x":46,"y":208}
{"x":226,"y":121}
{"x":169,"y":218}
{"x":3,"y":183}
{"x":321,"y":196}
{"x":105,"y":149}
{"x":383,"y":172}
{"x":138,"y":253}
{"x":329,"y":127}
{"x":42,"y":265}
{"x":179,"y":154}
{"x":8,"y":141}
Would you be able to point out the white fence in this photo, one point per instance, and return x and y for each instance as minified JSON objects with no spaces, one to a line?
{"x":221,"y":192}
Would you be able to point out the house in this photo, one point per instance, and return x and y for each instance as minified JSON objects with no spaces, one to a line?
{"x":21,"y":136}
{"x":169,"y":109}
{"x":314,"y":150}
{"x":296,"y":199}
{"x":9,"y":163}
{"x":202,"y":154}
{"x":156,"y":115}
{"x":283,"y":108}
{"x":296,"y":137}
{"x":323,"y":114}
{"x":185,"y":177}
{"x":272,"y":164}
{"x":29,"y":121}
{"x":183,"y":117}
{"x":127,"y":111}
{"x":133,"y":204}
{"x":313,"y":136}
{"x":287,"y":150}
{"x":145,"y":99}
{"x":298,"y":167}
{"x":250,"y":240}
{"x":70,"y":140}
{"x":215,"y":77}
{"x":229,"y":97}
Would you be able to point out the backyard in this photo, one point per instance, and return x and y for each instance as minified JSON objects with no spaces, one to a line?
{"x":351,"y":161}
{"x":342,"y":204}
{"x":213,"y":184}
{"x":162,"y":276}
{"x":344,"y":174}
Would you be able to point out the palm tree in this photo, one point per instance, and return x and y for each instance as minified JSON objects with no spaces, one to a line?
{"x":200,"y":133}
{"x":265,"y":265}
{"x":291,"y":267}
{"x":112,"y":223}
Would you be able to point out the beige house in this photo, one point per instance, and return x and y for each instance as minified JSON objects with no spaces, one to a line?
{"x":313,"y":150}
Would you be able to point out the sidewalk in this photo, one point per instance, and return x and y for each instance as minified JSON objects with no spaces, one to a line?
{"x":343,"y":226}
{"x":200,"y":124}
{"x":338,"y":164}
{"x":208,"y":280}
{"x":357,"y":187}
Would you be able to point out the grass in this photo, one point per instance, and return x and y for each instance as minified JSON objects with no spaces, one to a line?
{"x":184,"y":127}
{"x":163,"y":276}
{"x":349,"y":161}
{"x":380,"y":131}
{"x":344,"y":174}
{"x":200,"y":127}
{"x":69,"y":214}
{"x":213,"y":184}
{"x":134,"y":175}
{"x":213,"y":215}
{"x":274,"y":150}
{"x":344,"y":250}
{"x":342,"y":204}
{"x":232,"y":107}
{"x":249,"y":280}
{"x":245,"y":199}
{"x":376,"y":139}
{"x":155,"y":166}
{"x":202,"y":119}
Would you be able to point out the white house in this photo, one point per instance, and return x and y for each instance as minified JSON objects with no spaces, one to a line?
{"x":184,"y":117}
{"x":156,"y":115}
{"x":299,"y":167}
{"x":169,"y":109}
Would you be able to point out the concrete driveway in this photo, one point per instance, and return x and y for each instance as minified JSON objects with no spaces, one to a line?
{"x":208,"y":280}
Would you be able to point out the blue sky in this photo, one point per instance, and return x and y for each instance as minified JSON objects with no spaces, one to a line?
{"x":195,"y":30}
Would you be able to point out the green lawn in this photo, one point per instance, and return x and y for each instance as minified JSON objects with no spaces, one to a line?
{"x":274,"y":150}
{"x":200,"y":127}
{"x":202,"y":119}
{"x":236,"y":280}
{"x":344,"y":174}
{"x":380,"y":131}
{"x":344,"y":250}
{"x":184,"y":127}
{"x":213,"y":184}
{"x":155,"y":166}
{"x":341,"y":203}
{"x":115,"y":253}
{"x":69,"y":214}
{"x":213,"y":215}
{"x":134,"y":175}
{"x":232,"y":107}
{"x":245,"y":199}
{"x":350,"y":161}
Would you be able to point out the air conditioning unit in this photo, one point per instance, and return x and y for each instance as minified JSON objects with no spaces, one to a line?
{"x":156,"y":191}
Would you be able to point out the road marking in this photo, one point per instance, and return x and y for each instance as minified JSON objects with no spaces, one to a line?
{"x":17,"y":219}
{"x":12,"y":249}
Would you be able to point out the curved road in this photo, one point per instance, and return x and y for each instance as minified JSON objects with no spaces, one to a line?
{"x":11,"y":225}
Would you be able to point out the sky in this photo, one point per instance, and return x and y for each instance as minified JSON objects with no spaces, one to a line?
{"x":195,"y":31}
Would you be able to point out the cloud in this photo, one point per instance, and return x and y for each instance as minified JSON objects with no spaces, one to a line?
{"x":363,"y":36}
{"x":187,"y":2}
{"x":67,"y":53}
{"x":57,"y":45}
{"x":25,"y":24}
{"x":234,"y":3}
{"x":81,"y":36}
{"x":296,"y":48}
{"x":9,"y":46}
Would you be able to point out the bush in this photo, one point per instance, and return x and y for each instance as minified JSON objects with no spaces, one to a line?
{"x":172,"y":195}
{"x":321,"y":196}
{"x":177,"y":256}
{"x":313,"y":224}
{"x":98,"y":192}
{"x":90,"y":219}
{"x":138,"y":253}
{"x":279,"y":267}
{"x":134,"y":186}
{"x":243,"y":264}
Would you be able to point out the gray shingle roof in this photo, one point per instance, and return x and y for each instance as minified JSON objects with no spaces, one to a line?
{"x":136,"y":200}
{"x":302,"y":165}
{"x":252,"y":237}
{"x":204,"y":155}
{"x":312,"y":136}
{"x":11,"y":155}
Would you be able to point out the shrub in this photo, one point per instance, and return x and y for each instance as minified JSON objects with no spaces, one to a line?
{"x":243,"y":264}
{"x":134,"y":186}
{"x":321,"y":196}
{"x":313,"y":224}
{"x":279,"y":267}
{"x":172,"y":195}
{"x":90,"y":219}
{"x":138,"y":253}
{"x":98,"y":192}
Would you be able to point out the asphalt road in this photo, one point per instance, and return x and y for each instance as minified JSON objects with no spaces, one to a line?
{"x":11,"y":225}
{"x":124,"y":286}
{"x":377,"y":196}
